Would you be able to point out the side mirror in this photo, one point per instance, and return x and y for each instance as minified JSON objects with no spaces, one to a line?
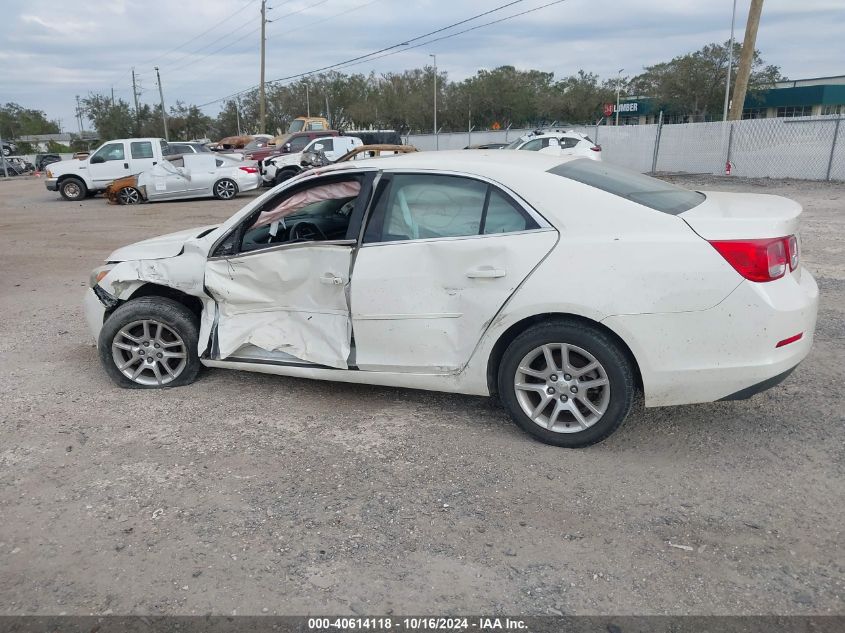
{"x":286,"y":147}
{"x":97,"y":159}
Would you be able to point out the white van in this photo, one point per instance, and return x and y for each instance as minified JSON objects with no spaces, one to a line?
{"x":75,"y":179}
{"x":277,"y":169}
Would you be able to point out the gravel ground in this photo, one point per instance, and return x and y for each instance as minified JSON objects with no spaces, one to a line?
{"x":259,"y":494}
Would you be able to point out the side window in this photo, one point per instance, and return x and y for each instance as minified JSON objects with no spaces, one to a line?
{"x":318,"y":212}
{"x":218,"y":162}
{"x":568,"y":142}
{"x":504,"y":216}
{"x":418,"y":206}
{"x":164,"y":149}
{"x":112,"y":151}
{"x":298,"y":144}
{"x":422,"y":206}
{"x":535,"y":145}
{"x":141,"y":149}
{"x":327,"y":143}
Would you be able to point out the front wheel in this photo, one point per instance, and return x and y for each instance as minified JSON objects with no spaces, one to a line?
{"x":567,"y":384}
{"x":73,"y":189}
{"x":149,"y":343}
{"x":225,"y":189}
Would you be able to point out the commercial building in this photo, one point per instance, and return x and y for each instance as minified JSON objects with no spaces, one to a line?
{"x":816,"y":96}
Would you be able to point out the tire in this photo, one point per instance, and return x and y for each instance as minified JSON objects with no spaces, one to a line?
{"x":225,"y":189}
{"x":129,"y":195}
{"x":611,"y":395}
{"x":285,"y":174}
{"x":126,"y":340}
{"x":73,"y":189}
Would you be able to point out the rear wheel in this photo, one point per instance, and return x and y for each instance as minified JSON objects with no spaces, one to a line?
{"x":150,"y":343}
{"x":129,"y":195}
{"x":225,"y":189}
{"x":73,"y":189}
{"x":567,"y":384}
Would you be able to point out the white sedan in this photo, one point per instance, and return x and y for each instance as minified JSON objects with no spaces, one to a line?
{"x":200,"y":175}
{"x":563,"y":285}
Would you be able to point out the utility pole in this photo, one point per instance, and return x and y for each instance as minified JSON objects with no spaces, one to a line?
{"x":262,"y":107}
{"x":618,"y":89}
{"x":163,"y":111}
{"x":730,"y":65}
{"x":307,"y":101}
{"x":79,"y":116}
{"x":112,"y":96}
{"x":137,"y":109}
{"x":238,"y":114}
{"x":436,"y":136}
{"x":743,"y":72}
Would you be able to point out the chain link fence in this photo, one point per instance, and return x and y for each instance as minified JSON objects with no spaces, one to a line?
{"x":810,"y":148}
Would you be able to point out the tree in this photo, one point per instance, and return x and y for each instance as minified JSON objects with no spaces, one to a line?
{"x":15,"y":121}
{"x":694,"y":83}
{"x":111,"y":119}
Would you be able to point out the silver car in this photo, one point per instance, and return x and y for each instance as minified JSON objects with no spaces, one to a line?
{"x":188,"y":176}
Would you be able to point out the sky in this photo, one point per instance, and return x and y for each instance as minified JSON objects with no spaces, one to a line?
{"x":51,"y":50}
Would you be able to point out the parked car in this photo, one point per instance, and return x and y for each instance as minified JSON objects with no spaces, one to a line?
{"x":202,"y":175}
{"x":287,"y":144}
{"x":9,"y":148}
{"x":11,"y":167}
{"x":42,"y":160}
{"x":74,"y":179}
{"x":558,"y":142}
{"x":279,"y":168}
{"x":463,"y":272}
{"x":376,"y":137}
{"x":21,"y":164}
{"x":187,"y":148}
{"x":232,"y":143}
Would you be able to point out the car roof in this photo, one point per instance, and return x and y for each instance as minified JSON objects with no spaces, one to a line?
{"x":502,"y":165}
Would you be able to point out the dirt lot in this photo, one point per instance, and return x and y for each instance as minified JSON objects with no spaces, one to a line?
{"x":260,"y":494}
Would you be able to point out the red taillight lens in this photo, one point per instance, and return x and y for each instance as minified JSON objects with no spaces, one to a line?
{"x":249,"y":170}
{"x":596,"y":148}
{"x":759,"y":260}
{"x":794,"y":255}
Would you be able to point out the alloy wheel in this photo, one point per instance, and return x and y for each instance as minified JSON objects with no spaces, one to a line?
{"x":225,"y":189}
{"x":129,"y":195}
{"x":562,"y":388}
{"x":149,"y":352}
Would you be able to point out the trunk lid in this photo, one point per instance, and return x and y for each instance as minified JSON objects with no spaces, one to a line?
{"x":743,"y":216}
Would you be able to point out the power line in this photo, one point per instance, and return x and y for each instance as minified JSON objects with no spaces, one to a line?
{"x":387,"y":48}
{"x":300,"y":28}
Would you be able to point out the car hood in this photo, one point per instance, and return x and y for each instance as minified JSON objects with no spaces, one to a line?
{"x":66,"y":166}
{"x":160,"y":247}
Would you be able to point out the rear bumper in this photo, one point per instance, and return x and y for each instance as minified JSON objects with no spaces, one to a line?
{"x":726,"y":352}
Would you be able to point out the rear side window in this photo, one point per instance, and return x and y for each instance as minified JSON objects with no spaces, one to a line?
{"x":298,"y":144}
{"x":645,"y":190}
{"x":425,"y":206}
{"x":141,"y":149}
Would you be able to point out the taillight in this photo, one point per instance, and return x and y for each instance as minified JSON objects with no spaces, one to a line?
{"x":596,"y":148}
{"x":794,"y":256}
{"x":249,"y":170}
{"x":760,"y":260}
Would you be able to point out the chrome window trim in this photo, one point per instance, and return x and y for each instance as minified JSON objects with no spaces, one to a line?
{"x":278,"y":247}
{"x":460,"y":237}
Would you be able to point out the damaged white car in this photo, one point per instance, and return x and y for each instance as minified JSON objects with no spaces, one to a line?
{"x":201,"y":175}
{"x":563,"y":285}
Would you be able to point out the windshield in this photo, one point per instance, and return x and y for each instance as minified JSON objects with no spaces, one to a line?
{"x":296,"y":125}
{"x":256,"y":144}
{"x":645,"y":190}
{"x":516,"y":143}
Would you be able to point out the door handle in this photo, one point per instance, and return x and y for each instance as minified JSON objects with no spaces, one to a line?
{"x":486,"y":272}
{"x":331,"y":280}
{"x":126,"y":165}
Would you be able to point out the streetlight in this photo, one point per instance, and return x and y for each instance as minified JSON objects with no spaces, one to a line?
{"x":436,"y":136}
{"x":730,"y":63}
{"x":618,"y":88}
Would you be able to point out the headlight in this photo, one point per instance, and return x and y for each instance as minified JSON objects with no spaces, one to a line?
{"x":98,"y":273}
{"x":49,"y":174}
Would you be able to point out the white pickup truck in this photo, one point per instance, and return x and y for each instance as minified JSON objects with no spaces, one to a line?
{"x":75,"y":179}
{"x":276,"y":169}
